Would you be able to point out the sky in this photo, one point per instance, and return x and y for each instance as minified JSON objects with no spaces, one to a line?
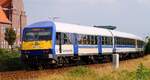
{"x":132,"y":16}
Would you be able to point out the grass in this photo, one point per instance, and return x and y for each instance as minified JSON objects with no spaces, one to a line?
{"x":135,"y":69}
{"x":79,"y":71}
{"x":86,"y":73}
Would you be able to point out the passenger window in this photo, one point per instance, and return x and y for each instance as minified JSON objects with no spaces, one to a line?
{"x":106,"y":40}
{"x":84,"y":40}
{"x":111,"y":41}
{"x":92,"y":40}
{"x":81,"y":39}
{"x":88,"y":40}
{"x":96,"y":40}
{"x":67,"y":38}
{"x":58,"y":38}
{"x":103,"y":41}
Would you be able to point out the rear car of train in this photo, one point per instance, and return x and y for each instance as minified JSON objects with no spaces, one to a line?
{"x":38,"y":43}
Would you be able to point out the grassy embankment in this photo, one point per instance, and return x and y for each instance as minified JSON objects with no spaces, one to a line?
{"x":136,"y":69}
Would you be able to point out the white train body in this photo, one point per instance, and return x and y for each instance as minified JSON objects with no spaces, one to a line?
{"x":92,"y":49}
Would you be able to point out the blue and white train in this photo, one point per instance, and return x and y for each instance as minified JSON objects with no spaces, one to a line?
{"x":61,"y":43}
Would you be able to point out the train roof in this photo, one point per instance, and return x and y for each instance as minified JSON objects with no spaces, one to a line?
{"x":74,"y":28}
{"x":125,"y":35}
{"x":80,"y":29}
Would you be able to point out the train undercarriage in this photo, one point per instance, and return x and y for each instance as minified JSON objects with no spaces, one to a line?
{"x":41,"y":61}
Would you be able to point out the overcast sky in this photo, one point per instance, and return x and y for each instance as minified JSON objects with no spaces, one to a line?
{"x":131,"y":16}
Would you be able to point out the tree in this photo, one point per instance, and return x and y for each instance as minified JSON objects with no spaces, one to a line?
{"x":10,"y":36}
{"x":147,"y":47}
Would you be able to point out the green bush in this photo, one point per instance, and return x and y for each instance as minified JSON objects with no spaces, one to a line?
{"x":6,"y":54}
{"x":142,"y":73}
{"x":147,"y":47}
{"x":9,"y":60}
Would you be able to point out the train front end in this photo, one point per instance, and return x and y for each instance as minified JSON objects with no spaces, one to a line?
{"x":38,"y":44}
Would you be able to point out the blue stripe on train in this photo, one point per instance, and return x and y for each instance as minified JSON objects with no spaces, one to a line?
{"x":105,"y":46}
{"x":87,"y":46}
{"x":95,"y":46}
{"x":100,"y":45}
{"x":75,"y":44}
{"x":54,"y":39}
{"x":125,"y":46}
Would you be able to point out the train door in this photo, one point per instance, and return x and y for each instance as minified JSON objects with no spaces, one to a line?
{"x":67,"y":44}
{"x":64,"y":44}
{"x":58,"y":43}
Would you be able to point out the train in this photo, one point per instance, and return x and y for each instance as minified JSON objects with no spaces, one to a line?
{"x":58,"y":43}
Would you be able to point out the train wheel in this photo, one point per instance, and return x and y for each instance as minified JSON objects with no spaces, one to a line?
{"x":96,"y":59}
{"x":61,"y":62}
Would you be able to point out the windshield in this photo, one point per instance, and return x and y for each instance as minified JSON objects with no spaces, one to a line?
{"x":35,"y":34}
